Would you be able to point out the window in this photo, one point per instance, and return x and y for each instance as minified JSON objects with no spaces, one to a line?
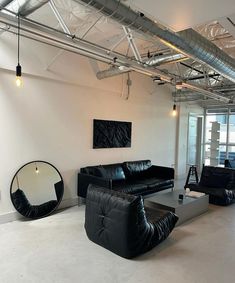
{"x":225,"y":139}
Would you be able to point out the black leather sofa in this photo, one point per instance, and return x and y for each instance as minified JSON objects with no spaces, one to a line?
{"x":120,"y":223}
{"x":132,"y":177}
{"x":218,"y":182}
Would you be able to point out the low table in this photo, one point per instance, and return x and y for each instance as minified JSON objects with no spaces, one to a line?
{"x":186,"y":209}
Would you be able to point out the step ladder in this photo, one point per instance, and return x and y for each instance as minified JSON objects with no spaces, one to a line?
{"x":192,"y":176}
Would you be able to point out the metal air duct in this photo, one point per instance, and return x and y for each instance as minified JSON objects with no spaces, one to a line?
{"x":111,"y":72}
{"x":4,"y":3}
{"x":24,"y":8}
{"x":188,"y":42}
{"x":165,"y":59}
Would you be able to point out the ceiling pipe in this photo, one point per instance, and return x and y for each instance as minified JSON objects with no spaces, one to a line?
{"x":111,"y":72}
{"x":206,"y":92}
{"x":24,"y":8}
{"x":188,"y":42}
{"x":202,"y":77}
{"x":158,"y":60}
{"x":59,"y":17}
{"x":226,"y":88}
{"x":45,"y":34}
{"x":4,"y":3}
{"x":31,"y":6}
{"x":60,"y":39}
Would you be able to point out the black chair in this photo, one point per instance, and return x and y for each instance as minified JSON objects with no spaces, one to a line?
{"x":229,"y":163}
{"x":120,"y":223}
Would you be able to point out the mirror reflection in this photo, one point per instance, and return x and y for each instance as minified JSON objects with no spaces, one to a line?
{"x":37,"y":189}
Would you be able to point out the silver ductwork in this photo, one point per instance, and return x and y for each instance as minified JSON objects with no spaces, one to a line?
{"x":209,"y":53}
{"x":24,"y":8}
{"x":30,"y":6}
{"x":111,"y":72}
{"x":4,"y":3}
{"x":188,"y":42}
{"x":165,"y":59}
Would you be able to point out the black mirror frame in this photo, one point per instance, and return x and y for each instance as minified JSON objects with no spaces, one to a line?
{"x":59,"y":201}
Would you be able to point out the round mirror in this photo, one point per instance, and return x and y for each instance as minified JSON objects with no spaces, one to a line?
{"x":37,"y":189}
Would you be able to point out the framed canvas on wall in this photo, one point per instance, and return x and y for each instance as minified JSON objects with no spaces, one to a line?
{"x":111,"y":134}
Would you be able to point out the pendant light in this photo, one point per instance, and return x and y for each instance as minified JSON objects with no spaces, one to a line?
{"x":18,"y":67}
{"x":36,"y":168}
{"x":174,"y":111}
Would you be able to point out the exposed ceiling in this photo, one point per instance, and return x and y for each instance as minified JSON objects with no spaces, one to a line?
{"x":182,"y":14}
{"x":132,"y":48}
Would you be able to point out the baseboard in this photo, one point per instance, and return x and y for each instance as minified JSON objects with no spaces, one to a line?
{"x":14,"y":215}
{"x":69,"y":202}
{"x":9,"y":217}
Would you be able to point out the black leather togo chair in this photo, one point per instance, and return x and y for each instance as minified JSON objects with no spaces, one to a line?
{"x":120,"y":223}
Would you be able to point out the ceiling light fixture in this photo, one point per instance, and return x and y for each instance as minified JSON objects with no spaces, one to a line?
{"x":18,"y":67}
{"x":179,"y":85}
{"x":36,"y":168}
{"x":174,"y":111}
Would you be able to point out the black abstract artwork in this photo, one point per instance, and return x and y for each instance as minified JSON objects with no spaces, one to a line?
{"x":110,"y":134}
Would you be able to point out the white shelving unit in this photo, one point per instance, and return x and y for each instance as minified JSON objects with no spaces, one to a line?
{"x":214,"y":144}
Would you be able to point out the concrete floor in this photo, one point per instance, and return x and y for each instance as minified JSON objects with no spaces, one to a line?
{"x":56,"y":249}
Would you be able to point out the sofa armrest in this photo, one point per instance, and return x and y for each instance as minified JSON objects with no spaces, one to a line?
{"x":162,"y":172}
{"x":85,"y":179}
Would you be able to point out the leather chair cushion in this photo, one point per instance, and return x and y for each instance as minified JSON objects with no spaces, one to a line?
{"x":215,"y":177}
{"x":136,"y":168}
{"x":163,"y":221}
{"x":24,"y":207}
{"x":117,"y":221}
{"x":19,"y":200}
{"x":207,"y":190}
{"x":218,"y":196}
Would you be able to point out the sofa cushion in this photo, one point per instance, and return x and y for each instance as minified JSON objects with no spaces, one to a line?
{"x":110,"y":171}
{"x":155,"y":184}
{"x":113,"y":171}
{"x":129,"y":188}
{"x":91,"y":170}
{"x":134,"y":169}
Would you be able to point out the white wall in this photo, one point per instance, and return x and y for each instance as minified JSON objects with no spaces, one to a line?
{"x":51,"y":117}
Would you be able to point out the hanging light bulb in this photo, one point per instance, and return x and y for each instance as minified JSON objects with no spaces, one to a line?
{"x":18,"y":67}
{"x":174,"y":111}
{"x":36,"y":168}
{"x":18,"y":76}
{"x":179,"y":85}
